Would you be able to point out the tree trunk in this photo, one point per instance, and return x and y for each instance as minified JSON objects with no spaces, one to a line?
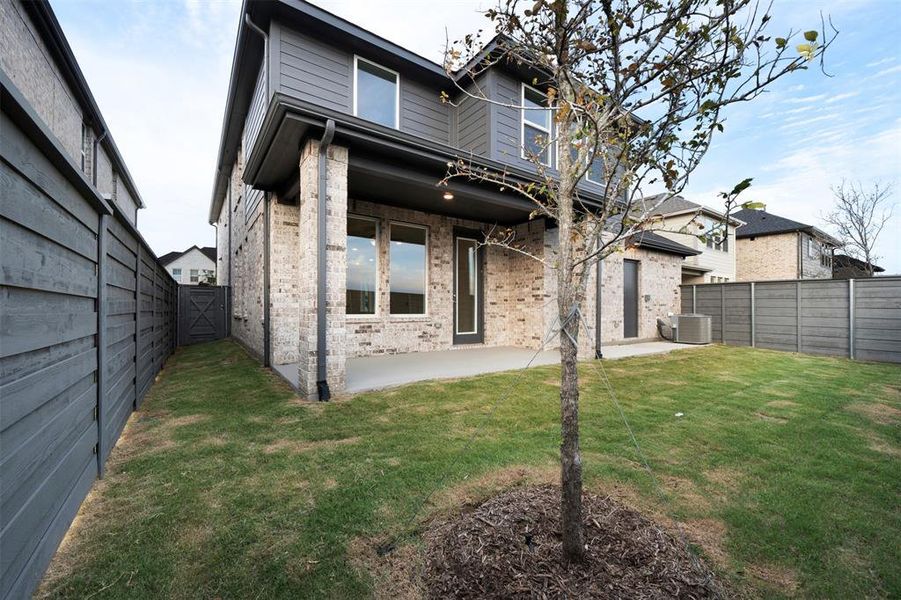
{"x":570,"y":457}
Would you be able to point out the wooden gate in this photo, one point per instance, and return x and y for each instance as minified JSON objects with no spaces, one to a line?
{"x":202,"y":313}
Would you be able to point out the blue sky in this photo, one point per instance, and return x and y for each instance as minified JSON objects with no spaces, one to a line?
{"x":159,"y":71}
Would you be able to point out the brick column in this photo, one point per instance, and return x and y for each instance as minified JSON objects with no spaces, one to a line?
{"x":336,"y":226}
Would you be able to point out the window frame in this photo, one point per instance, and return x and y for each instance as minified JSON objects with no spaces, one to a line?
{"x":478,"y":289}
{"x":176,"y":276}
{"x":357,"y":60}
{"x":425,"y":302}
{"x":194,"y":275}
{"x":522,"y":125}
{"x":378,"y":270}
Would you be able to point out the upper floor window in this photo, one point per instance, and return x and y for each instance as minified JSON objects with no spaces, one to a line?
{"x":176,"y":274}
{"x":716,"y":234}
{"x":195,"y":275}
{"x":85,"y":140}
{"x":536,"y":125}
{"x":813,"y":248}
{"x":376,"y":93}
{"x":595,"y":173}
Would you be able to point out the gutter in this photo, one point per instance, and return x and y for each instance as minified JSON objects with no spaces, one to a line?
{"x":322,"y":265}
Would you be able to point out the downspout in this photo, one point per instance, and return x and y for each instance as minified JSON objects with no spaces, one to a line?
{"x":598,"y":314}
{"x":265,"y":37}
{"x":322,"y":265}
{"x":266,"y":243}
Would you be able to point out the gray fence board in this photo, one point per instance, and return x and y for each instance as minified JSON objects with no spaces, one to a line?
{"x":69,"y":356}
{"x":811,"y":316}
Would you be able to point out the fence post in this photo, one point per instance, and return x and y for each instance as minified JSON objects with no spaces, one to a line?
{"x":102,"y":310}
{"x":722,"y":313}
{"x":798,"y":309}
{"x":851,"y":319}
{"x":694,"y":299}
{"x":753,"y":325}
{"x":138,"y":329}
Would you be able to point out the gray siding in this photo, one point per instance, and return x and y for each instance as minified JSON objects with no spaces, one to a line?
{"x":811,"y":316}
{"x":322,"y":74}
{"x":472,"y":125}
{"x":69,"y":372}
{"x":256,"y":112}
{"x":508,"y":121}
{"x":422,"y":113}
{"x":315,"y":72}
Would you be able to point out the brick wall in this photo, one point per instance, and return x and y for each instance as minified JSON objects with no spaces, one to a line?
{"x":247,"y":266}
{"x":767,"y":257}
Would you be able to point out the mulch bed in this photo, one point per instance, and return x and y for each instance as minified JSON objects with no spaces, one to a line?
{"x":509,"y":547}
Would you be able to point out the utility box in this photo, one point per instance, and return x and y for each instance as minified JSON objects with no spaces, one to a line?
{"x":691,"y":329}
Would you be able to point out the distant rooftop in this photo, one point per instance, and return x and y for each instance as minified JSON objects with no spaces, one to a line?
{"x":208,"y":251}
{"x":761,"y":222}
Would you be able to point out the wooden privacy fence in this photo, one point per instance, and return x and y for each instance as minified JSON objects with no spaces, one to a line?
{"x":87,"y":319}
{"x":855,"y":318}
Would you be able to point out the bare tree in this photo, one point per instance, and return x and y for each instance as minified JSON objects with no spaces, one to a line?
{"x":634,"y":90}
{"x":858,"y":216}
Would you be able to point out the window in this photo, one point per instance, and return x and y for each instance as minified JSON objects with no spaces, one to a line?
{"x":407,"y":277}
{"x":362,"y":266}
{"x":536,"y":125}
{"x":84,"y":147}
{"x":813,"y":248}
{"x":195,"y":275}
{"x":176,"y":274}
{"x":716,"y":233}
{"x":595,"y":173}
{"x":376,"y":93}
{"x":825,"y":259}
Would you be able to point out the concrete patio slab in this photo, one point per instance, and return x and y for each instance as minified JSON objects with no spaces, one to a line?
{"x":378,"y":372}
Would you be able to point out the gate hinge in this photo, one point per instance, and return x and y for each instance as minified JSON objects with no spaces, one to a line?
{"x":96,"y":449}
{"x":96,"y":413}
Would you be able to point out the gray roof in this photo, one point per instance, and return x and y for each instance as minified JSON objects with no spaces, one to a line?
{"x":761,"y":222}
{"x":676,"y":204}
{"x":208,"y":251}
{"x":649,"y":240}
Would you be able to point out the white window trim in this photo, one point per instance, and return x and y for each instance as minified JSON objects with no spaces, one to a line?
{"x":456,"y":303}
{"x":375,"y":308}
{"x":357,"y":60}
{"x":522,"y":126}
{"x":425,"y":303}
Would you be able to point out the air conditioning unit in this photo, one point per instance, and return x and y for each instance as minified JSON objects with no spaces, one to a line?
{"x":691,"y":329}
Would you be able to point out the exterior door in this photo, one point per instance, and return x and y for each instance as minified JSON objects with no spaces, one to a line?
{"x":468,"y":293}
{"x":630,"y":298}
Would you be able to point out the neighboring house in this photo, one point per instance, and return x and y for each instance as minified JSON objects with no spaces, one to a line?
{"x":36,"y":57}
{"x":773,"y":247}
{"x":684,"y":221}
{"x":193,"y":266}
{"x":848,"y":267}
{"x":330,"y":126}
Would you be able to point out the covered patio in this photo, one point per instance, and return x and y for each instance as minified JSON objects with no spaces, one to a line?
{"x":385,"y":371}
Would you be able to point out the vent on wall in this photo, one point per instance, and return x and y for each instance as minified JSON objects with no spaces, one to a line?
{"x":692,"y":329}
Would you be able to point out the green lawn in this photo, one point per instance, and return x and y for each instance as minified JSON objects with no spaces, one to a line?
{"x":784,"y":469}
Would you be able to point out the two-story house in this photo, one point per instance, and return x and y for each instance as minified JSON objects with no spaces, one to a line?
{"x":773,"y":247}
{"x":193,"y":266}
{"x":333,"y":235}
{"x":686,"y":222}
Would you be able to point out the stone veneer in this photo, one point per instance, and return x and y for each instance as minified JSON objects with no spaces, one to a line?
{"x":519,"y":291}
{"x":767,"y":257}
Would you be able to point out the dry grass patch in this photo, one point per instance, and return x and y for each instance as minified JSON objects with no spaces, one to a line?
{"x":299,"y":446}
{"x":771,"y":418}
{"x":877,"y":412}
{"x":783,"y":403}
{"x":472,"y":491}
{"x":782,"y":579}
{"x":879,"y":444}
{"x":398,"y":575}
